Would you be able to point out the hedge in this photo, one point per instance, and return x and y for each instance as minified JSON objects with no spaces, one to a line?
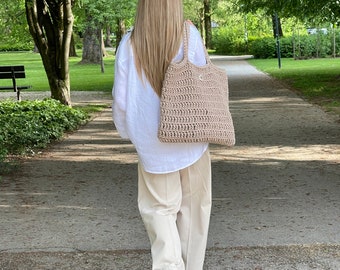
{"x":306,"y":46}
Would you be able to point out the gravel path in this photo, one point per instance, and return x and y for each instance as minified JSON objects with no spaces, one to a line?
{"x":276,"y":194}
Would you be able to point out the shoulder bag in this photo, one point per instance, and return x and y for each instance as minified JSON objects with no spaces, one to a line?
{"x":195,"y":102}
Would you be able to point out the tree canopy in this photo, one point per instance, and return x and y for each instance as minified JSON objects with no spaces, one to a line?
{"x":326,"y":10}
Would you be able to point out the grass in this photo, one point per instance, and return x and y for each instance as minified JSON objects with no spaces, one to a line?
{"x":318,"y":80}
{"x":83,"y":77}
{"x":91,"y":109}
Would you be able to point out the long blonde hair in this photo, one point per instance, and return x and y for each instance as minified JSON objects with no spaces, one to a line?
{"x":156,"y":38}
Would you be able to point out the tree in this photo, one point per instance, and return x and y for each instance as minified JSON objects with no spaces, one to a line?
{"x":92,"y":43}
{"x":102,"y":14}
{"x":207,"y":22}
{"x":272,"y":8}
{"x":50,"y":24}
{"x":201,"y":12}
{"x":326,"y":10}
{"x":193,"y":10}
{"x":124,"y":14}
{"x":13,"y":25}
{"x":93,"y":14}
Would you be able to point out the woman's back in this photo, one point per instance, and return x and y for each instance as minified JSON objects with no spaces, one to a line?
{"x":140,"y":104}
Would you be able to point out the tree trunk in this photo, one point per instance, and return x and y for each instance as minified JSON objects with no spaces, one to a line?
{"x":102,"y":67}
{"x":73,"y":52}
{"x":121,"y":29}
{"x":201,"y":22}
{"x":334,"y":40}
{"x":50,"y":25}
{"x":103,"y":49}
{"x":207,"y":24}
{"x":91,"y":44}
{"x":56,"y":85}
{"x":35,"y":49}
{"x":107,"y":40}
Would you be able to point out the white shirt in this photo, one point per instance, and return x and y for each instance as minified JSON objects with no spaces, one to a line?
{"x":136,"y":111}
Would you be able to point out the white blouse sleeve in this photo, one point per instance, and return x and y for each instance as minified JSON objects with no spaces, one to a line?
{"x":119,"y":91}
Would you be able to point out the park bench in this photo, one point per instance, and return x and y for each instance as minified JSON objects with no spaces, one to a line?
{"x":13,"y":72}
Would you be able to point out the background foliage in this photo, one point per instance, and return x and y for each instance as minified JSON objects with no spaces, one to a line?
{"x":14,"y":31}
{"x":239,"y":26}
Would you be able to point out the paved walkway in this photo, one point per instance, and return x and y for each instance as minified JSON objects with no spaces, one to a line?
{"x":276,"y":194}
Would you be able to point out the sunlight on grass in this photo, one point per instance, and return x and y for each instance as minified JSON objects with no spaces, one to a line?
{"x":316,"y":79}
{"x":91,"y":108}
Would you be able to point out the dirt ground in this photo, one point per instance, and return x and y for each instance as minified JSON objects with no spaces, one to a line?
{"x":276,"y":194}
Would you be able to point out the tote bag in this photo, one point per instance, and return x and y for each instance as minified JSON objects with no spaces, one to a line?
{"x":195,"y":103}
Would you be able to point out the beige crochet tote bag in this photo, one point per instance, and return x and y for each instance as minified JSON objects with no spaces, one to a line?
{"x":195,"y":103}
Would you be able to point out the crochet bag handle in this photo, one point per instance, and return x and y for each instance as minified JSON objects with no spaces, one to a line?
{"x":186,"y":38}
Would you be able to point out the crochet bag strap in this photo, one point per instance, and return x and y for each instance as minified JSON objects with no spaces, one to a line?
{"x":186,"y":38}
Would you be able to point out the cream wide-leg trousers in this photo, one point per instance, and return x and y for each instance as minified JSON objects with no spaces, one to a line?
{"x":175,"y":208}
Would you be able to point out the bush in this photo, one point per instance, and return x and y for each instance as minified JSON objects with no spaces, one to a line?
{"x":16,"y":47}
{"x":286,"y":47}
{"x":267,"y":47}
{"x":28,"y":125}
{"x":3,"y":151}
{"x":263,"y":48}
{"x":311,"y":46}
{"x":11,"y":43}
{"x":337,"y":43}
{"x":226,"y":41}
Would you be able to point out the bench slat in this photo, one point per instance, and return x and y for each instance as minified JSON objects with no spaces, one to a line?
{"x":8,"y":75}
{"x":6,"y":72}
{"x":9,"y":68}
{"x":13,"y":72}
{"x":18,"y":87}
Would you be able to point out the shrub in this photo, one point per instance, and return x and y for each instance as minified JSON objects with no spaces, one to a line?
{"x":226,"y":41}
{"x":337,"y":43}
{"x":263,"y":48}
{"x":286,"y":47}
{"x":16,"y":47}
{"x":312,"y":46}
{"x":12,"y":44}
{"x":28,"y":125}
{"x":229,"y":41}
{"x":3,"y":151}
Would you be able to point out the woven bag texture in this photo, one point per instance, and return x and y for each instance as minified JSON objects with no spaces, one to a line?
{"x":195,"y":103}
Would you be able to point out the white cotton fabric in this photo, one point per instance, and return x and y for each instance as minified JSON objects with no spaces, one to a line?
{"x":136,"y":111}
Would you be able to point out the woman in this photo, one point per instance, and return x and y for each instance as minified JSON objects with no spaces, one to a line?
{"x":174,"y":180}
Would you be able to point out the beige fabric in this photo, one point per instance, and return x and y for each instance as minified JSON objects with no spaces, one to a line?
{"x":175,"y":209}
{"x":195,"y":103}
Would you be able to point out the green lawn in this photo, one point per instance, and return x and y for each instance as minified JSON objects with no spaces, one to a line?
{"x":83,"y":77}
{"x":318,"y":80}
